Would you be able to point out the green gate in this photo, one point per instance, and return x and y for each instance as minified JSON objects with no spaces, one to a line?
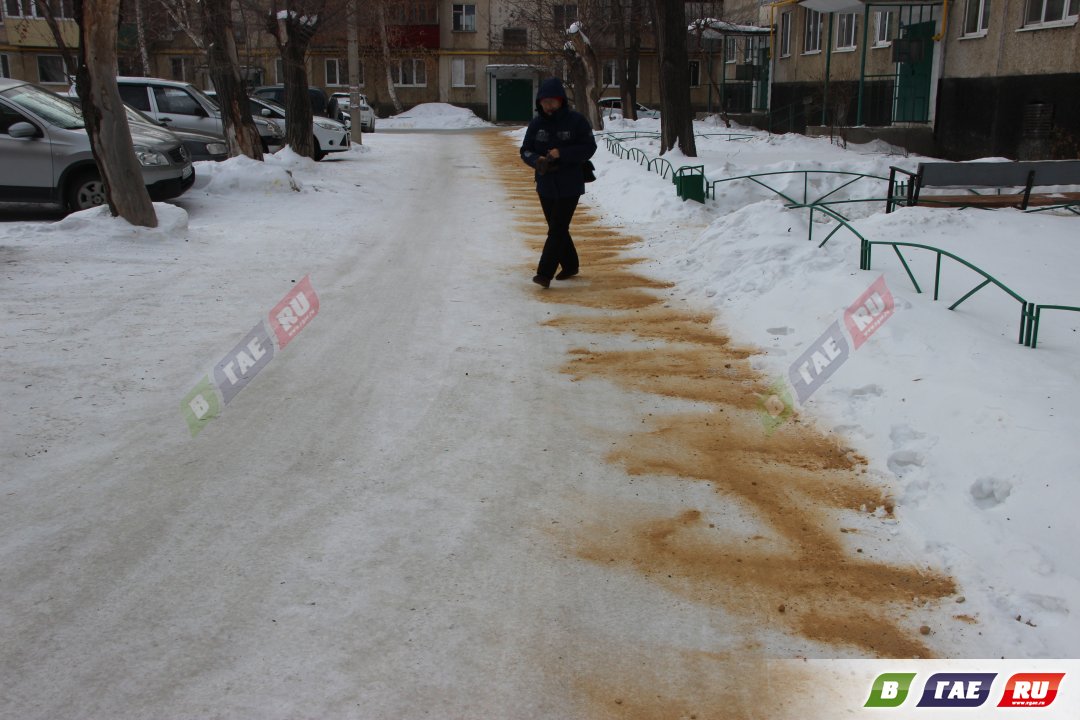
{"x":513,"y":100}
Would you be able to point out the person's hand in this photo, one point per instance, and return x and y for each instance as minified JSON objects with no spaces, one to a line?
{"x":553,"y":154}
{"x":542,"y":164}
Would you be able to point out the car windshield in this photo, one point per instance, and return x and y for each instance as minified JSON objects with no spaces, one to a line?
{"x":48,"y":106}
{"x":273,"y":106}
{"x":203,"y":97}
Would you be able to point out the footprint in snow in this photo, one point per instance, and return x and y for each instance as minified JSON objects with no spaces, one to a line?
{"x":901,"y":462}
{"x":990,"y":492}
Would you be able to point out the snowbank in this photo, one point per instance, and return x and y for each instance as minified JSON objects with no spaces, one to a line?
{"x":433,"y":116}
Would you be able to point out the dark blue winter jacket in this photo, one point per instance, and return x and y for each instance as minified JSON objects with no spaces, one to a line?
{"x":566,"y":130}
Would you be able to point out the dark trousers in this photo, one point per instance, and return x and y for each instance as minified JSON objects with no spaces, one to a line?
{"x":559,"y":248}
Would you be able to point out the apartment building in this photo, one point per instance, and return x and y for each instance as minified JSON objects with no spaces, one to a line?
{"x":976,"y":78}
{"x":967,"y":78}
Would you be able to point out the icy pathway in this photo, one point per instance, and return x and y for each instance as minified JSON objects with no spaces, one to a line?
{"x":365,"y":530}
{"x":445,"y":498}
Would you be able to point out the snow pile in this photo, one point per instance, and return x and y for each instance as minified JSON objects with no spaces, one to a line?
{"x":98,"y":223}
{"x":972,"y":432}
{"x":433,"y":116}
{"x":243,"y":174}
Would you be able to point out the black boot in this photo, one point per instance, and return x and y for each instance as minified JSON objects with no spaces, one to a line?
{"x":566,"y":274}
{"x":542,"y":281}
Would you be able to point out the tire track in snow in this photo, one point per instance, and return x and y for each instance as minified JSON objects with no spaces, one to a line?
{"x":802,"y":573}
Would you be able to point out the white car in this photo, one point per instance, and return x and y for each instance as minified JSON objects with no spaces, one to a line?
{"x":330,"y":135}
{"x":367,"y":115}
{"x":611,"y":106}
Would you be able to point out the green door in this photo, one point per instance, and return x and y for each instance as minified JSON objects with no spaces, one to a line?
{"x":913,"y":76}
{"x":513,"y":100}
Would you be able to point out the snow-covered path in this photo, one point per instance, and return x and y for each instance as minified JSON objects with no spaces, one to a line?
{"x":410,"y":511}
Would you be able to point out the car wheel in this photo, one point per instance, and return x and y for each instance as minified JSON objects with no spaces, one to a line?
{"x":86,"y":190}
{"x":319,"y":152}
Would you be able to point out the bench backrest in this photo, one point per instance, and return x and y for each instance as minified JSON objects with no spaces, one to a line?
{"x":999,"y":174}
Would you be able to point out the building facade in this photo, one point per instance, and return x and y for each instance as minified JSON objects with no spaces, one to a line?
{"x":972,"y":78}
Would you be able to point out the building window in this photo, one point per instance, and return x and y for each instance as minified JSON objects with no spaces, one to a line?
{"x":611,"y":76}
{"x":463,"y":72}
{"x":183,"y":68}
{"x":416,"y":12}
{"x":5,"y":68}
{"x":730,"y":49}
{"x":883,"y":21}
{"x":515,"y":37}
{"x":846,"y":30}
{"x":695,"y":73}
{"x":1041,"y":12}
{"x":565,"y":16}
{"x":337,"y":72}
{"x":51,"y":70}
{"x":976,"y":17}
{"x":785,"y":34}
{"x":411,"y":72}
{"x":464,"y":18}
{"x":812,"y":38}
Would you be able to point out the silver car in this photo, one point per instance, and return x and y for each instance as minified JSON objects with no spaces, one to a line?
{"x":183,"y":106}
{"x":45,"y":152}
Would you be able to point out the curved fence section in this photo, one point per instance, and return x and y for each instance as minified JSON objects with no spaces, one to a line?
{"x":828,"y":201}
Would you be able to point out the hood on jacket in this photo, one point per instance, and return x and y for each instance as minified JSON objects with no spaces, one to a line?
{"x":550,"y":88}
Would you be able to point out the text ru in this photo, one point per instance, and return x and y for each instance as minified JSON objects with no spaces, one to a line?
{"x":866,"y":313}
{"x":291,"y":313}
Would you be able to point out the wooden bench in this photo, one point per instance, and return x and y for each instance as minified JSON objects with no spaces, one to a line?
{"x":997,"y":176}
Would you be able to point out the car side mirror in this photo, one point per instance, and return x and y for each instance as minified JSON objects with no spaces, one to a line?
{"x":266,"y":112}
{"x":22,"y":130}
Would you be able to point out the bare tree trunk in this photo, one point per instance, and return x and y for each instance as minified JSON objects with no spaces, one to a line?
{"x":633,"y":53}
{"x":386,"y":58}
{"x":676,"y":119}
{"x":590,"y":92}
{"x":629,"y":106}
{"x":106,"y":121}
{"x":293,"y":33}
{"x":354,"y":73}
{"x":140,"y":32}
{"x":241,"y":135}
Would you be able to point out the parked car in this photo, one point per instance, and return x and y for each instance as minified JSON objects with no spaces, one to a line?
{"x":330,"y":135}
{"x":367,"y":114}
{"x":182,"y":106}
{"x":611,"y":105}
{"x":200,"y":146}
{"x":45,"y":153}
{"x":321,"y":105}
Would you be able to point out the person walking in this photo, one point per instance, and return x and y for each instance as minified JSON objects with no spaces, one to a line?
{"x":556,"y":143}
